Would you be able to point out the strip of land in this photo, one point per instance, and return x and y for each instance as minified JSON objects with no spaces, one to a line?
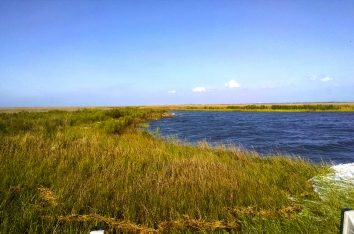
{"x":266,"y":107}
{"x":275,"y":107}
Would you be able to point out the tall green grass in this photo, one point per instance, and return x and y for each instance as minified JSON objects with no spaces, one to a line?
{"x":66,"y":172}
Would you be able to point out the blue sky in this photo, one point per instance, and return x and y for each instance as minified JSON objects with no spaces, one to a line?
{"x":55,"y":53}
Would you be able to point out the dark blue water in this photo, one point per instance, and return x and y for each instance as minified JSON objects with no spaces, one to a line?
{"x":325,"y":136}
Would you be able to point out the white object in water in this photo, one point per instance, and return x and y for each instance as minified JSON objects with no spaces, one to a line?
{"x":97,"y":232}
{"x":348,"y":222}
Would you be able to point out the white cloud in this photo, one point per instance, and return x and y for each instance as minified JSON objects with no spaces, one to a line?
{"x":199,"y":89}
{"x":326,"y":79}
{"x":320,"y":78}
{"x":172,"y":91}
{"x":232,"y":84}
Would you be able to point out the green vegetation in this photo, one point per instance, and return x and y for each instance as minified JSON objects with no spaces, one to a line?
{"x":302,"y":107}
{"x":66,"y":172}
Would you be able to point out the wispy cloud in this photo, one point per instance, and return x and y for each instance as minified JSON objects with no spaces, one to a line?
{"x":232,"y":84}
{"x":199,"y":89}
{"x":171,"y":91}
{"x":321,"y":78}
{"x":326,"y":79}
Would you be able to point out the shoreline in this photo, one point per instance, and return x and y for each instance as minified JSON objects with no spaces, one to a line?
{"x":255,"y":107}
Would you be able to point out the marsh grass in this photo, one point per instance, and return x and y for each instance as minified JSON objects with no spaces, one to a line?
{"x":66,"y":172}
{"x":286,"y":107}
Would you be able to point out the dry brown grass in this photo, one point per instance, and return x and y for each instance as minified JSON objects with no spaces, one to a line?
{"x":284,"y":212}
{"x":163,"y":227}
{"x":48,"y":196}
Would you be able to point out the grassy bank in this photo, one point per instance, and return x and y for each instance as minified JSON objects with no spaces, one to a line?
{"x":69,"y":171}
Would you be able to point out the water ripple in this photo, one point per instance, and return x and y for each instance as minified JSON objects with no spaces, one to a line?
{"x":325,"y":136}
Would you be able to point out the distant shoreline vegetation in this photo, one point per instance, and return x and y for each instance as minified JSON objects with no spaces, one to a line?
{"x":266,"y":107}
{"x":311,"y":107}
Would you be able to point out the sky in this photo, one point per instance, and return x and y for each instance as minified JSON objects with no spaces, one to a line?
{"x":136,"y":52}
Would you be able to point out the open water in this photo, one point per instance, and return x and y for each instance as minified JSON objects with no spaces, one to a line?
{"x":317,"y":136}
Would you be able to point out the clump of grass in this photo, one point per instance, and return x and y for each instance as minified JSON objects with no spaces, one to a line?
{"x":48,"y":196}
{"x":77,"y":173}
